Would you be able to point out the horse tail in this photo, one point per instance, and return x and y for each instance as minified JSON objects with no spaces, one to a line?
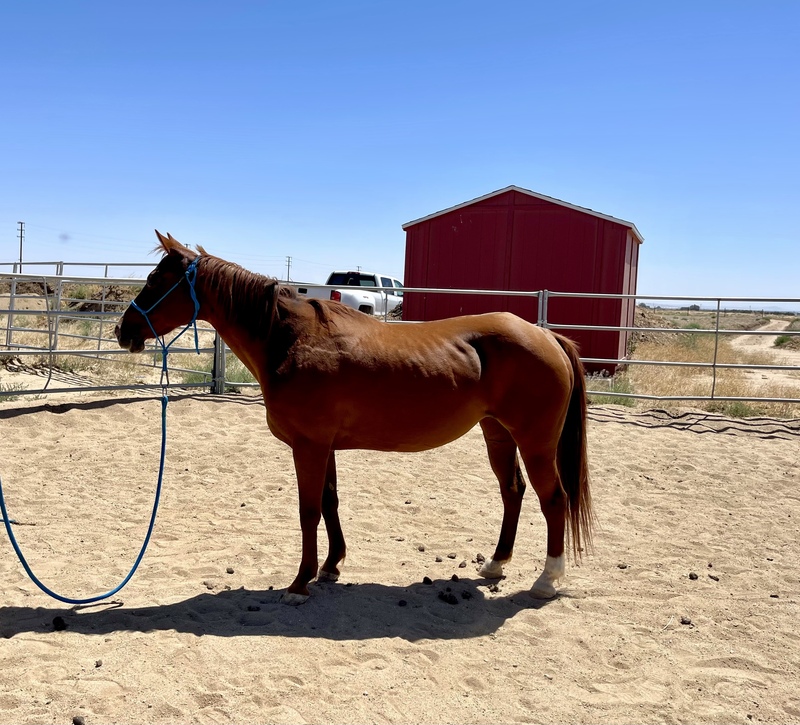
{"x":572,"y":457}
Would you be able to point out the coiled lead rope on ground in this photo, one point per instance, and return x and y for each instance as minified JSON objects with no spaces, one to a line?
{"x":191,"y":275}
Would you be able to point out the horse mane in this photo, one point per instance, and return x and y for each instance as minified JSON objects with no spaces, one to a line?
{"x":250,"y":297}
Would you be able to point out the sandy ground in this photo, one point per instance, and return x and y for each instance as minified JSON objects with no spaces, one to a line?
{"x":199,"y":635}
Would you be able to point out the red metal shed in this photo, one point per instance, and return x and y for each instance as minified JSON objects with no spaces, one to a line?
{"x":516,"y":239}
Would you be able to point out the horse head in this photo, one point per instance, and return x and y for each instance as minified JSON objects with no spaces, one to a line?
{"x":166,"y":299}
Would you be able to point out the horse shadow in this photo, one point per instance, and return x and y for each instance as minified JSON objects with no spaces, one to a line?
{"x":442,"y":609}
{"x":698,"y":422}
{"x":112,"y":401}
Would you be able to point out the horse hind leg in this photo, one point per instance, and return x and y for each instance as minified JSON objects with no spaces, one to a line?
{"x":543,"y":474}
{"x":502,"y":452}
{"x":329,"y":570}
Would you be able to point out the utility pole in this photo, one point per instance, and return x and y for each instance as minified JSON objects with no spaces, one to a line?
{"x":21,"y":239}
{"x":288,"y":267}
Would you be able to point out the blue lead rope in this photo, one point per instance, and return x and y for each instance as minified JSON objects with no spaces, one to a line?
{"x":191,"y":275}
{"x":111,"y":593}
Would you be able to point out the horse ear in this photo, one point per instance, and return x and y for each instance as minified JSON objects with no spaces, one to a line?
{"x":168,"y":244}
{"x":162,"y":240}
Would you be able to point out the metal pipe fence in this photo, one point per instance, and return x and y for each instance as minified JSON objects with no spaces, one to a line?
{"x":88,"y":334}
{"x":713,"y":365}
{"x":59,"y":268}
{"x":67,"y":331}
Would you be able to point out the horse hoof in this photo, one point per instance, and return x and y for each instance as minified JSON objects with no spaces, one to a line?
{"x":491,"y":569}
{"x":543,"y":591}
{"x":294,"y":600}
{"x":544,"y":586}
{"x":327,"y":576}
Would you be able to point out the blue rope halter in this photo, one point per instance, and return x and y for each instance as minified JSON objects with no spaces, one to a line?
{"x":191,"y":276}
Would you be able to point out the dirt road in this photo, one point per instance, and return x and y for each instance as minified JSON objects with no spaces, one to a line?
{"x":766,"y":344}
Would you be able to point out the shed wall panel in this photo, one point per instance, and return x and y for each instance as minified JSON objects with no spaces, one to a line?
{"x":514,"y":241}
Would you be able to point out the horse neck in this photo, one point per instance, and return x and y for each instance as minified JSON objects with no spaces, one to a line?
{"x":241,"y":305}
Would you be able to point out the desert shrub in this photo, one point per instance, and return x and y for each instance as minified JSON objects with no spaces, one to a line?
{"x":790,"y":342}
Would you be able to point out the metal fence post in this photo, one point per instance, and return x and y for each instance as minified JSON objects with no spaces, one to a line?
{"x":102,"y":314}
{"x":716,"y":348}
{"x":539,"y":307}
{"x":218,"y":373}
{"x":57,"y":311}
{"x":10,"y":318}
{"x":543,"y":308}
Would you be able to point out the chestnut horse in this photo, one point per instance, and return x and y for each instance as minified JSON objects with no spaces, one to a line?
{"x":322,"y":367}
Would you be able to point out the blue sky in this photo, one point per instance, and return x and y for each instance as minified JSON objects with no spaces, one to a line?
{"x":316,"y":129}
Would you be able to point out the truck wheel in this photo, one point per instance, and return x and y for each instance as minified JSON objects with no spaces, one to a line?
{"x":366,"y":309}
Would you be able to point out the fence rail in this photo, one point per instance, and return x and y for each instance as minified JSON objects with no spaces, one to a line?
{"x":59,"y":338}
{"x":93,"y":339}
{"x":60,"y":268}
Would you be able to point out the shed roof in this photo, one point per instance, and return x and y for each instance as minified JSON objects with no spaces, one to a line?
{"x":630,"y":225}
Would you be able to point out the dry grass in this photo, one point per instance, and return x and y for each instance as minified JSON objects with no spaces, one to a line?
{"x":692,"y":347}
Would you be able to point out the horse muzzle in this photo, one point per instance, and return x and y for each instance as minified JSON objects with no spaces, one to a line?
{"x":128,"y":342}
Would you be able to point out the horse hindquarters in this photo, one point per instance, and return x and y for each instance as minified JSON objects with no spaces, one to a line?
{"x":543,"y":473}
{"x":551,"y":437}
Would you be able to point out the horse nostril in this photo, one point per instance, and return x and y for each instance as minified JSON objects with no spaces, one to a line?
{"x":116,"y":332}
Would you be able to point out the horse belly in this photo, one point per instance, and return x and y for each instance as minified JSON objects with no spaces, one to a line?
{"x":408,"y":423}
{"x":406,"y":434}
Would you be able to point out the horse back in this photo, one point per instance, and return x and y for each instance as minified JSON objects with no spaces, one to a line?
{"x":368,"y":384}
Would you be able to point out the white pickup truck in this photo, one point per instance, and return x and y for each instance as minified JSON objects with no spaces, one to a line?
{"x":349,"y":289}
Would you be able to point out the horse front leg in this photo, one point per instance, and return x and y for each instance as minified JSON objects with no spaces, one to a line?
{"x":310,"y":463}
{"x":330,"y":512}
